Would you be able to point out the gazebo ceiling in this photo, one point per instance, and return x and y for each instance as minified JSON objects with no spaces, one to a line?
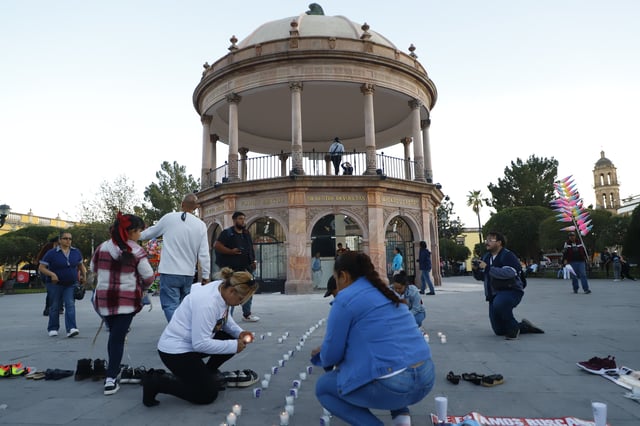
{"x":329,"y":109}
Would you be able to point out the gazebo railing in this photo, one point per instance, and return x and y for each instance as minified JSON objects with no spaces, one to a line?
{"x":313,"y":164}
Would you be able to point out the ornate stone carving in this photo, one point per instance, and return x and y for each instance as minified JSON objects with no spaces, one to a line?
{"x":295,"y":86}
{"x":332,"y":42}
{"x":233,"y":41}
{"x":233,"y":98}
{"x":412,"y":49}
{"x":367,"y":89}
{"x":415,"y":104}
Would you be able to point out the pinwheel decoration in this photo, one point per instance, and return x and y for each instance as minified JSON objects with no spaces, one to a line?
{"x":569,"y":207}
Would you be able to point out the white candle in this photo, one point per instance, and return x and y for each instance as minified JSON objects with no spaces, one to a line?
{"x":237,"y":409}
{"x":290,"y":353}
{"x":267,"y":376}
{"x":439,"y":333}
{"x":279,"y":339}
{"x":281,"y":362}
{"x":269,"y":333}
{"x":298,"y":347}
{"x":443,"y":339}
{"x":274,"y":370}
{"x":293,"y":392}
{"x":286,"y":333}
{"x":326,"y":412}
{"x":303,"y":376}
{"x":296,"y":384}
{"x":325,"y":421}
{"x":231,"y":419}
{"x":289,"y":409}
{"x":288,"y":400}
{"x":309,"y":369}
{"x":265,"y":384}
{"x":285,"y":357}
{"x":284,"y":419}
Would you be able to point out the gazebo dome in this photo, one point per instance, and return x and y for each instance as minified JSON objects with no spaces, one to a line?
{"x":312,"y":26}
{"x":603,"y":161}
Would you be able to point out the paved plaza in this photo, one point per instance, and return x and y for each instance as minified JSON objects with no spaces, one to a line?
{"x":541,"y":378}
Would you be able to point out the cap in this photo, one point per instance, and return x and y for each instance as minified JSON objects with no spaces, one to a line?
{"x":331,"y":287}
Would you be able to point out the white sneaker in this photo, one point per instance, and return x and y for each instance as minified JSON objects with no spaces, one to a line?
{"x":73,"y":332}
{"x":251,"y":318}
{"x":53,"y":333}
{"x":111,"y":386}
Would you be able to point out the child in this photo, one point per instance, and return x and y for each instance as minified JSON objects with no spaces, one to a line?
{"x":410,"y":293}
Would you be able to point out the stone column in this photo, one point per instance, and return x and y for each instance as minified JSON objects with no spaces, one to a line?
{"x":369,"y":128}
{"x":283,"y":164}
{"x":407,"y":167}
{"x":296,"y":127}
{"x":207,"y":168}
{"x":376,"y":244}
{"x":328,"y":166}
{"x":242,"y":169}
{"x":298,"y":257}
{"x":426,"y":149}
{"x":233,"y":99}
{"x":417,"y":140}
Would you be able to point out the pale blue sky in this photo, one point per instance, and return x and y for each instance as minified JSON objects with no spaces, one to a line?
{"x":93,"y":90}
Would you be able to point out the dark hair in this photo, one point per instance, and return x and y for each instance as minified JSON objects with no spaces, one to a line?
{"x":398,"y":250}
{"x":423,"y":244}
{"x":125,"y":222}
{"x":236,"y":214}
{"x":400,"y":278}
{"x":358,"y":265}
{"x":499,"y":236}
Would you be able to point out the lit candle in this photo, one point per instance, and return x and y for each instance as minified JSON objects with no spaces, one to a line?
{"x":289,"y":409}
{"x":237,"y":409}
{"x":439,"y":333}
{"x":265,"y":384}
{"x":443,"y":339}
{"x":231,"y":419}
{"x":284,"y":419}
{"x":426,"y":337}
{"x":303,"y":376}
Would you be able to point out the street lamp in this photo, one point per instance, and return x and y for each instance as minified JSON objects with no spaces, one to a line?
{"x":4,"y":212}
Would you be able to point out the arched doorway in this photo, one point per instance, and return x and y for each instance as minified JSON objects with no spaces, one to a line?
{"x":268,"y":241}
{"x":327,"y":233}
{"x":399,"y":234}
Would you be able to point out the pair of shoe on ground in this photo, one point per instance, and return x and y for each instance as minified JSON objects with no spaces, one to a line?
{"x":87,"y":369}
{"x":477,"y":379}
{"x":238,"y":378}
{"x":13,"y":370}
{"x":72,"y":333}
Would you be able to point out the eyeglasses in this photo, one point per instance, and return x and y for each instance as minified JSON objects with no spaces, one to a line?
{"x":66,"y":238}
{"x":490,"y":241}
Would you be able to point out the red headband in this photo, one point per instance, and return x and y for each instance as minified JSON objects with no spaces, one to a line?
{"x":124,"y":222}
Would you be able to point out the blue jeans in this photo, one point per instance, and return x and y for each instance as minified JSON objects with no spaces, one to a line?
{"x":395,"y":393}
{"x":61,"y":294}
{"x":246,"y":308}
{"x":173,"y":288}
{"x":580,"y":269}
{"x":118,"y":329}
{"x":501,"y":311}
{"x":420,"y":316}
{"x":426,"y":279}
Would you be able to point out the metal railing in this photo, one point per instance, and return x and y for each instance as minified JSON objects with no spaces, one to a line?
{"x":313,"y":164}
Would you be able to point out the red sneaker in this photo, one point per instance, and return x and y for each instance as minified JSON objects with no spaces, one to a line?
{"x":599,"y":365}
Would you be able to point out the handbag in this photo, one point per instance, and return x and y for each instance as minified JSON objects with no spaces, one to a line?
{"x":78,"y":292}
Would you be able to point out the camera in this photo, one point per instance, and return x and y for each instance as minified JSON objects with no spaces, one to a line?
{"x":475,"y":263}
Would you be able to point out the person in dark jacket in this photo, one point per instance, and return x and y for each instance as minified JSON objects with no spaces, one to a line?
{"x":424,"y":262}
{"x":500,"y":270}
{"x":575,"y":255}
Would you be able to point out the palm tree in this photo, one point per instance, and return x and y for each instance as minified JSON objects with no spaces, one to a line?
{"x":474,"y":200}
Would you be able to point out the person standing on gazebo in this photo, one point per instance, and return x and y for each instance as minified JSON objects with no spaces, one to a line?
{"x":335,"y":151}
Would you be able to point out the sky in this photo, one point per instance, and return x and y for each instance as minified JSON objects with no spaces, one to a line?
{"x":90,"y":91}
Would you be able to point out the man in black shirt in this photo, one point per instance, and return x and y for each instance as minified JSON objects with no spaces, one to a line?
{"x":234,"y":249}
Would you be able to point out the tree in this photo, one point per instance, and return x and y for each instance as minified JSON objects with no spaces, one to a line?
{"x":112,"y":197}
{"x":166,"y":195}
{"x":448,"y":228}
{"x":86,"y":237}
{"x":474,"y":201}
{"x":525,"y":184}
{"x":631,"y":248}
{"x":520,"y":225}
{"x":23,"y":244}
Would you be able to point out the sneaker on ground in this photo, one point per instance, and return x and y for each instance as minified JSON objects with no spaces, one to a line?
{"x":251,"y":318}
{"x":587,"y":292}
{"x":132,"y":375}
{"x":599,"y":365}
{"x":111,"y":386}
{"x":243,"y":378}
{"x":53,"y":333}
{"x":73,"y":332}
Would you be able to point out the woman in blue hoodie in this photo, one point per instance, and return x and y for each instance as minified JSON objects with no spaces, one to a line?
{"x":374,"y":368}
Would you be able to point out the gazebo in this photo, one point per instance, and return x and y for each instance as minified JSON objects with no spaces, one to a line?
{"x":283,"y":94}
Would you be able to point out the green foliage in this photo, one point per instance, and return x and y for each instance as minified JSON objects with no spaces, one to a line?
{"x":451,"y":251}
{"x":87,"y":237}
{"x":525,"y":184}
{"x":632,"y":238}
{"x":520,"y":225}
{"x":40,"y":234}
{"x":448,"y":228}
{"x":166,"y":195}
{"x":16,"y":249}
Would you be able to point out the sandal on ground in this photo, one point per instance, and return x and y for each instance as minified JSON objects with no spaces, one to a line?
{"x":38,"y":375}
{"x":474,"y":378}
{"x":492,"y":380}
{"x":453,"y":378}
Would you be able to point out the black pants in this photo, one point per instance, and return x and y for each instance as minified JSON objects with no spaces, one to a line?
{"x":195,"y":381}
{"x":336,"y":160}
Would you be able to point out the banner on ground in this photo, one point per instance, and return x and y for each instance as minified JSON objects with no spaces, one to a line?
{"x":483,"y":420}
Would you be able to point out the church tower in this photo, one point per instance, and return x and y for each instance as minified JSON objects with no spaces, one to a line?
{"x":606,"y":185}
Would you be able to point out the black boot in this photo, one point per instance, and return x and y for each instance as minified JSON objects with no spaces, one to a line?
{"x":99,"y":370}
{"x":83,"y":369}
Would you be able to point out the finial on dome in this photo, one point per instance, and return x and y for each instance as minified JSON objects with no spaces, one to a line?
{"x":315,"y":9}
{"x":412,"y":49}
{"x":233,"y":41}
{"x":365,"y":32}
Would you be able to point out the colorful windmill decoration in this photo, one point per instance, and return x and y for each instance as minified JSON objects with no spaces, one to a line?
{"x":569,"y":207}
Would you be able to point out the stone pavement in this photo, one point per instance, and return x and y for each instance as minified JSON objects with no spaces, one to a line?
{"x":541,"y":378}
